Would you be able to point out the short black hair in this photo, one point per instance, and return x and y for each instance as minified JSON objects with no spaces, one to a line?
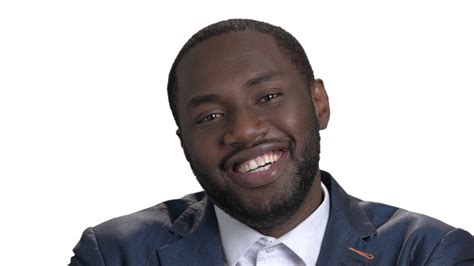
{"x":284,"y":40}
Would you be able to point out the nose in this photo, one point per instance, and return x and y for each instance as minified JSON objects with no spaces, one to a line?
{"x":245,"y":128}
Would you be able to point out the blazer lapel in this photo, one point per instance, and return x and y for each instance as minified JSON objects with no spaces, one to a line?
{"x":200,"y":243}
{"x":348,"y":230}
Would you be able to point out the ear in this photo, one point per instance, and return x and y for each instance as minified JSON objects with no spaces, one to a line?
{"x":178,"y":133}
{"x":321,"y":103}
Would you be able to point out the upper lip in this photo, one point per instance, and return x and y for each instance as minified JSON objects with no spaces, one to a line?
{"x":253,"y":152}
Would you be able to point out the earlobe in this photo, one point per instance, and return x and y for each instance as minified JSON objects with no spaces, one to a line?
{"x":321,"y":103}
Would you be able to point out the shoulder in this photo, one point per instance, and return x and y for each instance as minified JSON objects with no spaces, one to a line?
{"x":417,"y":238}
{"x":157,"y":218}
{"x":369,"y":218}
{"x":394,"y":234}
{"x":389,"y":218}
{"x":135,"y":237}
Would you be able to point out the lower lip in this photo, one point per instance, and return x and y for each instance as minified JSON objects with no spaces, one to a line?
{"x":262,"y":178}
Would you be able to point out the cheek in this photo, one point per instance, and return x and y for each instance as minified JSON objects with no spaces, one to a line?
{"x":295,"y":118}
{"x":203,"y":151}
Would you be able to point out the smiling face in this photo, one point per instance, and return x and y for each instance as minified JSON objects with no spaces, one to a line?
{"x":249,"y":126}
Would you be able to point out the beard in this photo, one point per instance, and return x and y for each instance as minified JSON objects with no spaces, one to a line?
{"x":280,"y":207}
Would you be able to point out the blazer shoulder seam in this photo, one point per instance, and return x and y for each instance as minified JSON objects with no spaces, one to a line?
{"x":435,"y":247}
{"x":97,"y":244}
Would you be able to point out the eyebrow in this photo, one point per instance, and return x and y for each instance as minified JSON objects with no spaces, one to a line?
{"x":259,"y":78}
{"x":262,"y":77}
{"x":198,"y":100}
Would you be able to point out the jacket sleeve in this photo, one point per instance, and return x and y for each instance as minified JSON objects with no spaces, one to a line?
{"x":87,"y":251}
{"x":455,"y":248}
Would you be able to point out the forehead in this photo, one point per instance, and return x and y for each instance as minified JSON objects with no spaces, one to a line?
{"x":229,"y":59}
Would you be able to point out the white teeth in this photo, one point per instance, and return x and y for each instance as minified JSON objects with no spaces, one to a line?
{"x":253,"y":164}
{"x":266,"y":158}
{"x":273,"y":157}
{"x":257,"y":164}
{"x":247,"y":167}
{"x":266,"y":167}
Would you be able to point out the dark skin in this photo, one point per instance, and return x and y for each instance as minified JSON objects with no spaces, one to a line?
{"x":240,"y":97}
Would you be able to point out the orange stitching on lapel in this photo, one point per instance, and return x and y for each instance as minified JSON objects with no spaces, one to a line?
{"x":362,"y":253}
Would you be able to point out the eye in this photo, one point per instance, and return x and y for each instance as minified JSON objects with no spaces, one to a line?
{"x":269,"y":97}
{"x":210,"y":117}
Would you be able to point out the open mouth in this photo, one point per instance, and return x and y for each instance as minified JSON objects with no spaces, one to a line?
{"x":261,"y":163}
{"x":258,"y":166}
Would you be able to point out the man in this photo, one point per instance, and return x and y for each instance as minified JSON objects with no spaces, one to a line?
{"x":249,"y":111}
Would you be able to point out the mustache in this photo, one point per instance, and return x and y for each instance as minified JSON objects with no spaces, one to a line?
{"x":259,"y":142}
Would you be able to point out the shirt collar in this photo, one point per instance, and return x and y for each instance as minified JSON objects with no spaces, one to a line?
{"x":236,"y":237}
{"x":304,"y":240}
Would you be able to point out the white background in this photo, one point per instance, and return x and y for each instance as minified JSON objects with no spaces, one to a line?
{"x":86,"y":133}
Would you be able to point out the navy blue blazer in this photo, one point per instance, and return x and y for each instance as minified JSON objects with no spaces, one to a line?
{"x":185,"y":232}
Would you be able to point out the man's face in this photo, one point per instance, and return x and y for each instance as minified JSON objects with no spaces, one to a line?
{"x":249,"y":127}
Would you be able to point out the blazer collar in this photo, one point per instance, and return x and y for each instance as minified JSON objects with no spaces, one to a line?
{"x":348,"y":230}
{"x":198,"y":241}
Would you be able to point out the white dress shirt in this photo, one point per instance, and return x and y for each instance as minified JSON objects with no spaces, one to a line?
{"x":243,"y":245}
